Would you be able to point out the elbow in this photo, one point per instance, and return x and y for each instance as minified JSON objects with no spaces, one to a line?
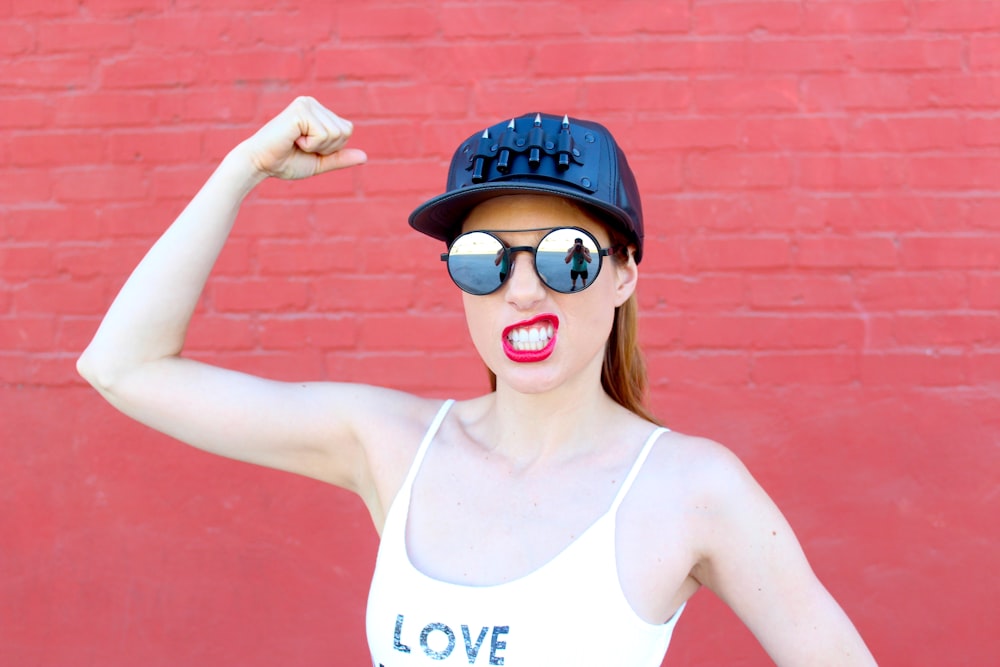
{"x":100,"y":376}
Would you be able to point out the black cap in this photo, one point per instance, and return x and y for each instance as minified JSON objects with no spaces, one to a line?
{"x":543,"y":154}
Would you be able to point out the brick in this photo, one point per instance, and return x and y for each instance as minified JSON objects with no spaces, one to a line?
{"x":24,"y":333}
{"x":956,"y":91}
{"x":957,"y":15}
{"x":738,"y":253}
{"x":55,"y":149}
{"x":365,"y":63}
{"x":116,"y":8}
{"x":907,"y":55}
{"x":729,"y":170}
{"x":906,"y":133}
{"x":39,"y":370}
{"x":850,"y":172}
{"x":155,"y":147}
{"x":746,"y":17}
{"x":702,"y":368}
{"x":259,"y":296}
{"x":984,"y":368}
{"x":301,"y":257}
{"x":16,"y":38}
{"x":599,"y":57}
{"x":426,"y":100}
{"x":330,"y":184}
{"x":704,"y":292}
{"x":47,"y":73}
{"x":20,"y":185}
{"x":62,"y":296}
{"x":944,"y":329}
{"x":81,"y":36}
{"x":26,"y":113}
{"x":45,"y":222}
{"x":846,"y":252}
{"x":89,"y":260}
{"x":173,"y":182}
{"x":400,"y":332}
{"x":983,"y":213}
{"x":984,"y":291}
{"x":361,"y":21}
{"x":801,"y":292}
{"x":152,"y":71}
{"x":320,"y":332}
{"x":981,"y":132}
{"x":871,"y":16}
{"x":747,"y":93}
{"x":804,"y":368}
{"x":303,"y":365}
{"x":99,"y":184}
{"x":984,"y":52}
{"x":182,"y":32}
{"x":377,"y":294}
{"x":645,"y":17}
{"x":796,"y":133}
{"x":21,"y":262}
{"x":907,"y":369}
{"x":220,"y":332}
{"x":828,"y":93}
{"x":400,"y":176}
{"x":955,"y":172}
{"x":103,"y":109}
{"x":255,"y":66}
{"x":815,"y":55}
{"x":660,"y":171}
{"x":215,"y":106}
{"x":412,"y":371}
{"x":935,"y":252}
{"x":260,"y":219}
{"x":492,"y":21}
{"x":680,"y":133}
{"x":931,"y":291}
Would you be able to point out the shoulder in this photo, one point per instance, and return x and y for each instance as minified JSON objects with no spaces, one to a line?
{"x":702,"y":486}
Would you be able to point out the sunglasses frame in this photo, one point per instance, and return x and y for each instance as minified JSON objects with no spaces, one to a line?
{"x":510,"y":251}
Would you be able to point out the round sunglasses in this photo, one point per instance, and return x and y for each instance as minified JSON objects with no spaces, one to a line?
{"x":567,"y":259}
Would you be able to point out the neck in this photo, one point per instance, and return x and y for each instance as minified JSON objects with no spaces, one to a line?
{"x":564,"y":422}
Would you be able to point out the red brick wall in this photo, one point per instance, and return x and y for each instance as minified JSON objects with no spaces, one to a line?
{"x":820,"y":292}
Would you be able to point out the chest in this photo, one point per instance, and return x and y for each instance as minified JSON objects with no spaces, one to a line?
{"x":484,"y":526}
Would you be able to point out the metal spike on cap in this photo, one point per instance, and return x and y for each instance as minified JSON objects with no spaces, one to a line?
{"x":477,"y":167}
{"x":535,"y":141}
{"x":565,"y":142}
{"x":503,"y":160}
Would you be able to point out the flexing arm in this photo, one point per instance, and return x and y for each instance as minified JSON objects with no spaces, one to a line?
{"x":753,"y":561}
{"x":134,"y":359}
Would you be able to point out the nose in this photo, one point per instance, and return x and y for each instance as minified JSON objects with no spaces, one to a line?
{"x":523,"y":288}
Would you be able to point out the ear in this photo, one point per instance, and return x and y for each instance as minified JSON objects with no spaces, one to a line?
{"x":626,"y":277}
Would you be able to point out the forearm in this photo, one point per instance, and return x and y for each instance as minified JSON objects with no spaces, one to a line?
{"x":149,"y":317}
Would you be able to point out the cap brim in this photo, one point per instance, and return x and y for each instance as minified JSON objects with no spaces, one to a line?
{"x":441,"y":217}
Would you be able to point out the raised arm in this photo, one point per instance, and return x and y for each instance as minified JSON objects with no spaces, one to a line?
{"x":753,"y":562}
{"x":135,"y":357}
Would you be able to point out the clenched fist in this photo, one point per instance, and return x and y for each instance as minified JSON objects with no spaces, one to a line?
{"x":303,"y":140}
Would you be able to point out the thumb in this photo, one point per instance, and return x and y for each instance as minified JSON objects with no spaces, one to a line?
{"x":345,"y":157}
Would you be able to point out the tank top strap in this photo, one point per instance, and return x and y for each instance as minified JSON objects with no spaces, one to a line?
{"x":426,"y":442}
{"x":636,"y":467}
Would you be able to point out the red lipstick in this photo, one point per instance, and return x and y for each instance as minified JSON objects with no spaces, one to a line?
{"x":528,"y":356}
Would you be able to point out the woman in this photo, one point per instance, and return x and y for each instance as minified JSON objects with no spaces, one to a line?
{"x":548,"y":522}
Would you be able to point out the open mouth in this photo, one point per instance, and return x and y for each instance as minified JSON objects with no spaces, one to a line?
{"x":532,"y":340}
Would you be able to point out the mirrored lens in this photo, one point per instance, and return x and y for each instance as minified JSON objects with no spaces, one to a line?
{"x":477,"y":263}
{"x":567,"y":259}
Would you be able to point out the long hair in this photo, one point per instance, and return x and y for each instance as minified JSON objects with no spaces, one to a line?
{"x":623,"y":371}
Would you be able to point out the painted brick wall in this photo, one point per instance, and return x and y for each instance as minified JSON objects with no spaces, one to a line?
{"x":821,"y":289}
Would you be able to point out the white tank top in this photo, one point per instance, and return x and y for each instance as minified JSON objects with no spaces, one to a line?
{"x":569,"y":611}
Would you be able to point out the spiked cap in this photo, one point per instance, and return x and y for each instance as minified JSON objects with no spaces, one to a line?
{"x":543,"y":154}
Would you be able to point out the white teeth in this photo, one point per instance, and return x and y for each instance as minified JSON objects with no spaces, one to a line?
{"x":531,"y":338}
